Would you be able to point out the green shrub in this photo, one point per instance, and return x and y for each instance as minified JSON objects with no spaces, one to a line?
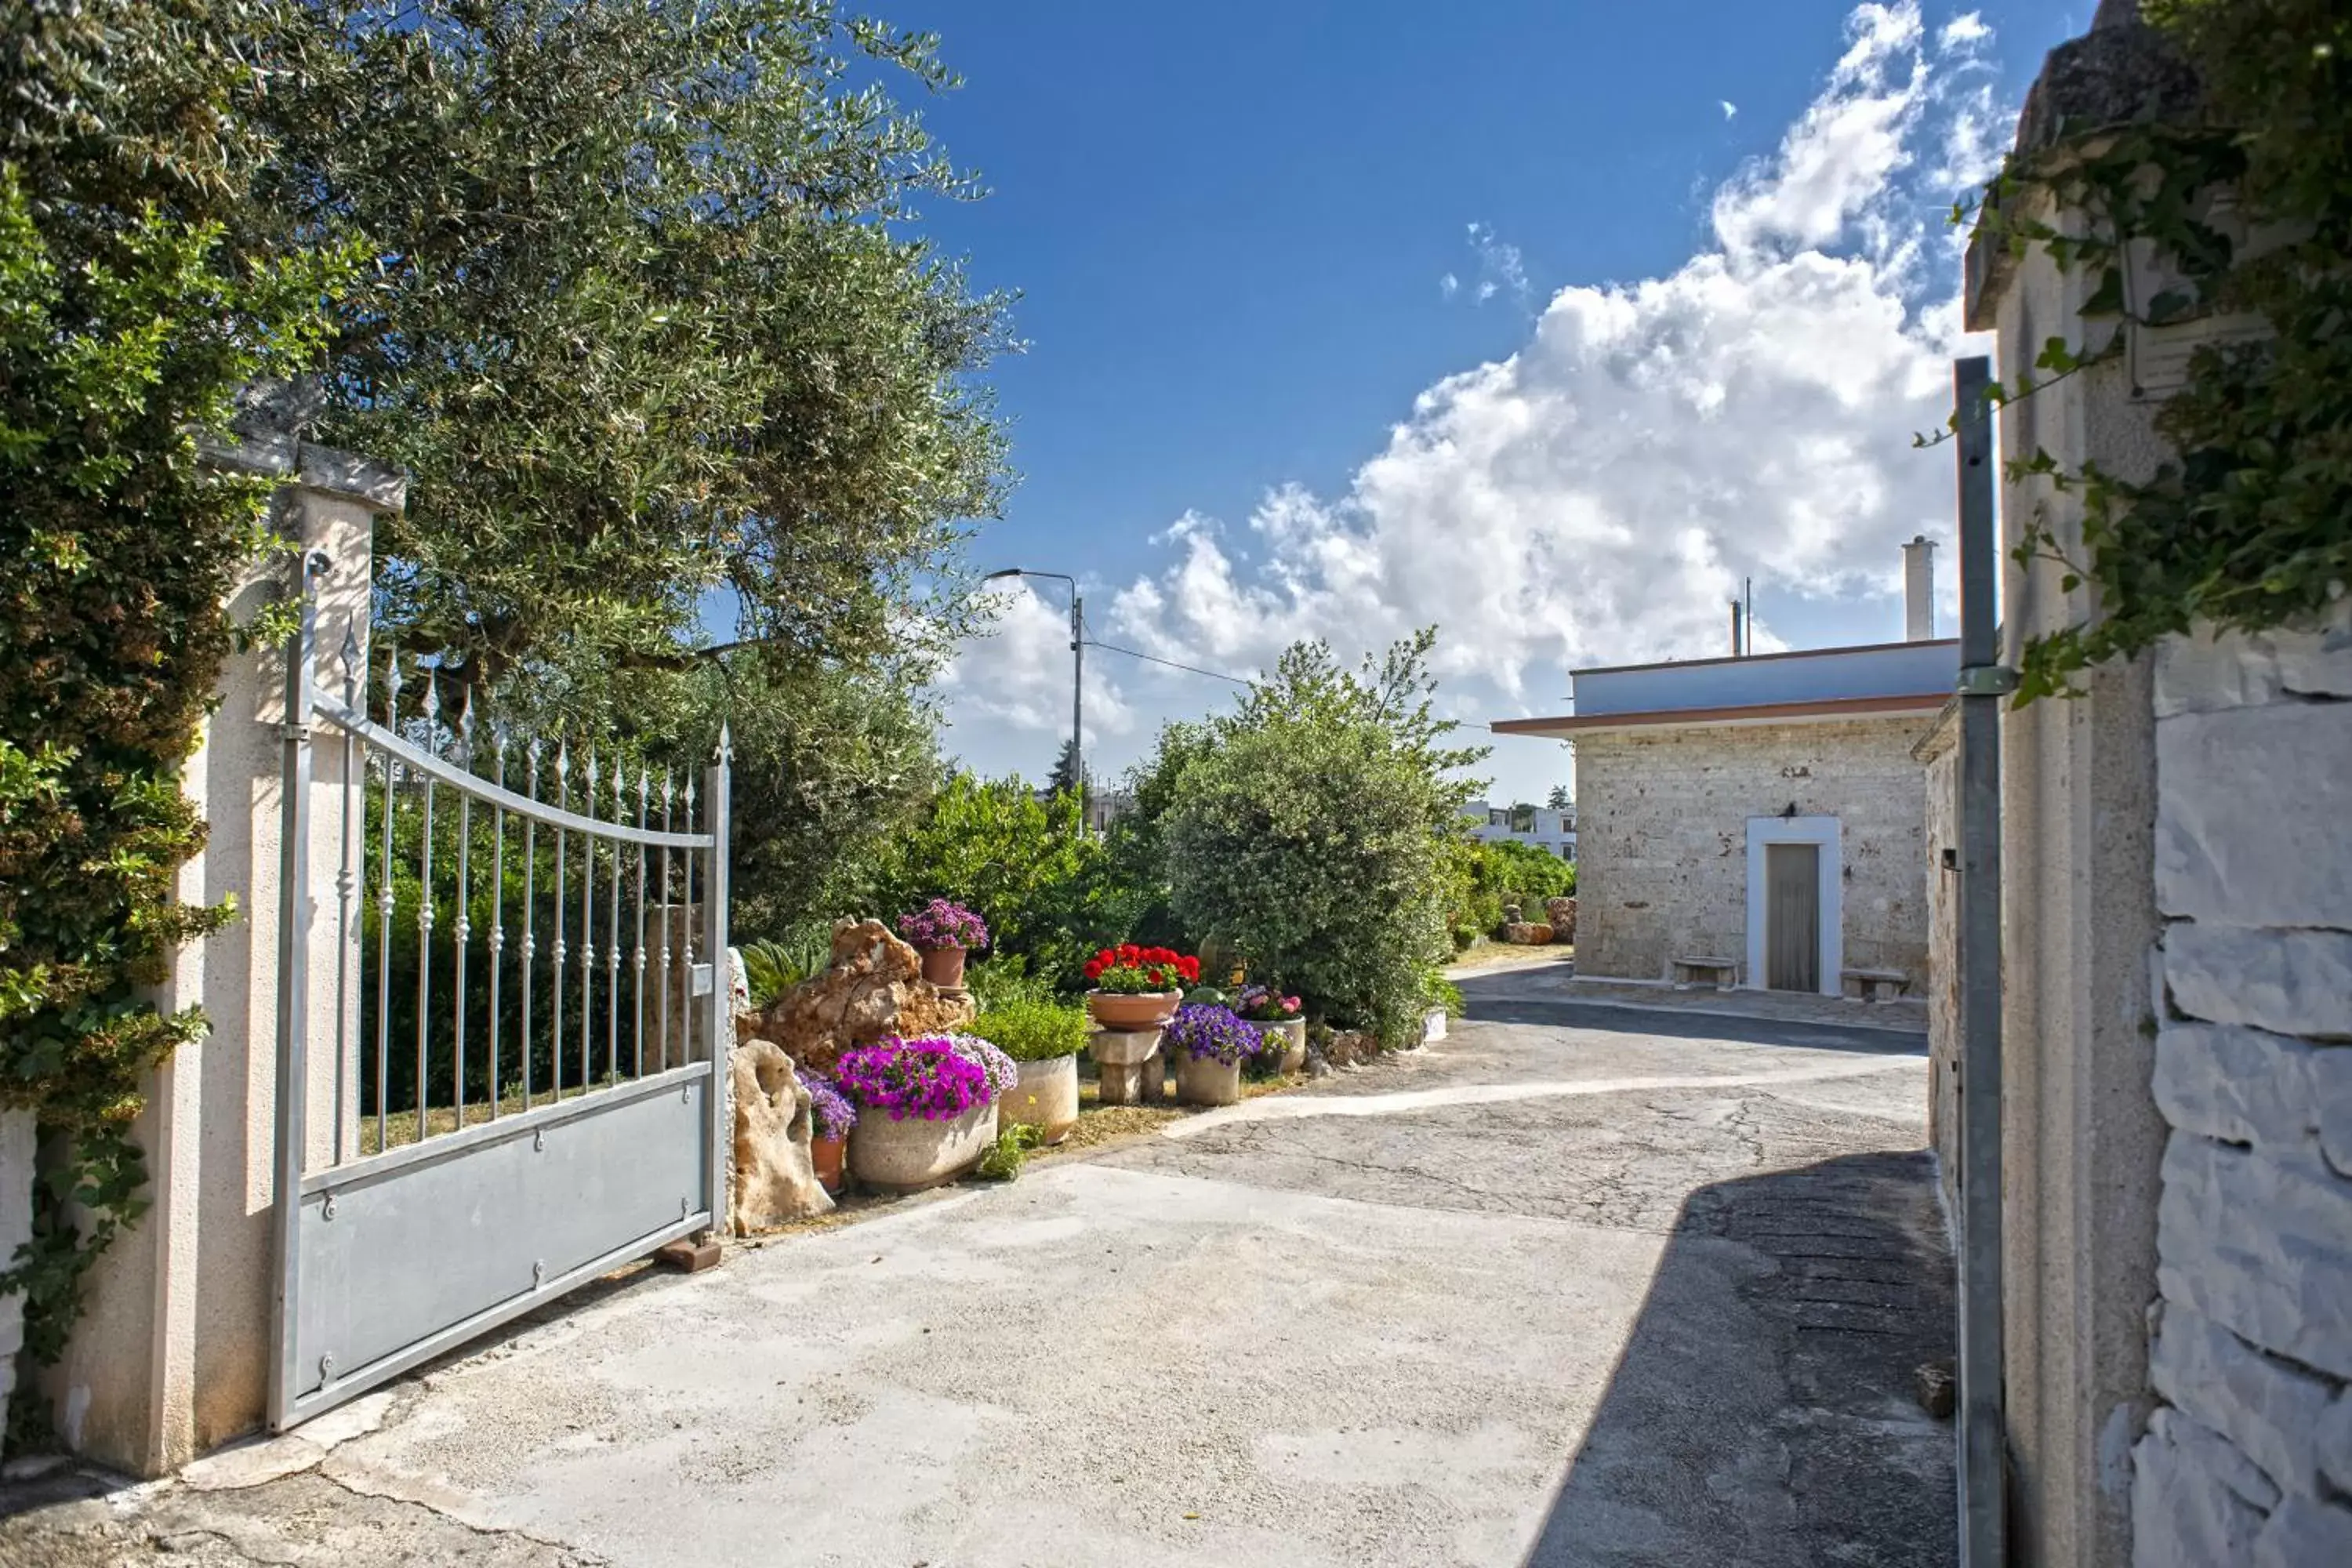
{"x":1033,"y":1031}
{"x":1316,"y":834}
{"x":1004,"y":1158}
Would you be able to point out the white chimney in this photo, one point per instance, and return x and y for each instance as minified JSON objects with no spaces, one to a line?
{"x":1919,"y":590}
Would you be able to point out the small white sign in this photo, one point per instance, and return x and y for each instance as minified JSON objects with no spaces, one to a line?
{"x":703,"y":979}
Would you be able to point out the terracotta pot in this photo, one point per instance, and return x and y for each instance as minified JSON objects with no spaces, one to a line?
{"x":1205,"y":1080}
{"x":826,"y":1154}
{"x":1045,"y":1097}
{"x":1293,"y":1043}
{"x":943,"y":967}
{"x":908,"y":1156}
{"x":1127,"y":1015}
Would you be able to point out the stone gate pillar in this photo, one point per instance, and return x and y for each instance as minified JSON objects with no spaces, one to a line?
{"x":171,"y":1353}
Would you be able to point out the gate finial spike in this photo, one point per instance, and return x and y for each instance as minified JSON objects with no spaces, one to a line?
{"x":349,"y":653}
{"x":531,"y":749}
{"x":590,"y":796}
{"x":431,"y":708}
{"x":726,"y":743}
{"x":562,"y":764}
{"x":392,"y":681}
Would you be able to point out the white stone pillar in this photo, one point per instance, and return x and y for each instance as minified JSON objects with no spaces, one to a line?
{"x":171,"y":1353}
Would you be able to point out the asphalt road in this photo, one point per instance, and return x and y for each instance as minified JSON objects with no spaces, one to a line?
{"x":1582,"y":1285}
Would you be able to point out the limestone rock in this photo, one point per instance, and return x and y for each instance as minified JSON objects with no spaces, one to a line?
{"x":1562,"y":912}
{"x":775,"y":1173}
{"x":1352,"y":1047}
{"x":1528,"y":933}
{"x":874,"y":986}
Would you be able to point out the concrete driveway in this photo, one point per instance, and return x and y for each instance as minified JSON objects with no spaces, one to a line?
{"x":1580,"y":1285}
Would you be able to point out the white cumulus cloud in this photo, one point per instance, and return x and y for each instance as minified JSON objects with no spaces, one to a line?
{"x":1598,"y":496}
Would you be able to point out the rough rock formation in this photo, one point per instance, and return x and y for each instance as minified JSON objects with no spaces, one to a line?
{"x":1523,"y":933}
{"x":874,"y":986}
{"x":1562,"y":912}
{"x":774,"y":1179}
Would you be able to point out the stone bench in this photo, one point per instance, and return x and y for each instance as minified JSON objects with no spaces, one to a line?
{"x":1718,"y":973}
{"x":1876,"y":985}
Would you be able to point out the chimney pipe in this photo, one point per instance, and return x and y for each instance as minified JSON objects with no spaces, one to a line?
{"x":1919,"y":590}
{"x":1736,"y":649}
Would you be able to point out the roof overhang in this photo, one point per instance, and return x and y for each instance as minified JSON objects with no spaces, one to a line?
{"x":1923,"y":705}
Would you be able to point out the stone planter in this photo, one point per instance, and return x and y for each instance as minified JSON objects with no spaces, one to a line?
{"x":826,"y":1154}
{"x":1128,"y":1061}
{"x":1205,"y":1080}
{"x":943,"y":967}
{"x":1045,"y":1097}
{"x":910,"y":1155}
{"x":1292,"y":1032}
{"x":1149,"y":1010}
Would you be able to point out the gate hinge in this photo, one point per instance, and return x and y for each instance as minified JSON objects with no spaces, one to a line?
{"x":293,"y":730}
{"x":327,"y":1209}
{"x":1987,"y":681}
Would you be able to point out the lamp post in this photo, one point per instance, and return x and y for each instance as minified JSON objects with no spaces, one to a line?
{"x":1077,"y":675}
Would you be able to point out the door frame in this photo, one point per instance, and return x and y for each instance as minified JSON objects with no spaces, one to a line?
{"x":1822,"y":831}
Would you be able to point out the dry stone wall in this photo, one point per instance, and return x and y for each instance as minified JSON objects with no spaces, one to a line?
{"x":1662,"y":845}
{"x":2250,"y":1457}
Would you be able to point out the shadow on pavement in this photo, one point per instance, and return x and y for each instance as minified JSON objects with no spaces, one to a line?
{"x":1492,"y":1000}
{"x":1763,"y":1411}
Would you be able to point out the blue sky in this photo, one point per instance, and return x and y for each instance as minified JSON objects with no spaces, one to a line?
{"x":1544,"y":321}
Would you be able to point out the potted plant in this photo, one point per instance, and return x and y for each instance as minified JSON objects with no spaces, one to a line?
{"x":832,"y":1116}
{"x":1275,"y":1015}
{"x":1209,"y":1044}
{"x":1044,"y":1039}
{"x":943,"y":932}
{"x":1138,"y":988}
{"x":926,"y":1108}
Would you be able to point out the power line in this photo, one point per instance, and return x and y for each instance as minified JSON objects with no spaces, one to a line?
{"x":1155,"y":658}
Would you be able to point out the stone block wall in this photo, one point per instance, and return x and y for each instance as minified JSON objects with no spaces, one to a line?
{"x":2250,"y":1457}
{"x":1661,"y":848}
{"x":1939,"y":754}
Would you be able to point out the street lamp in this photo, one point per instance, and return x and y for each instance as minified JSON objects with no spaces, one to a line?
{"x":1079,"y":673}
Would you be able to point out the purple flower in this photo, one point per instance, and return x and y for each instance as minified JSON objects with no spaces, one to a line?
{"x":993,"y":1064}
{"x":929,"y":1078}
{"x":1204,"y":1031}
{"x":943,"y":924}
{"x":830,"y":1110}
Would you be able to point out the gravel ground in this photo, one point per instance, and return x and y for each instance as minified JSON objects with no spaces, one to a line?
{"x":1579,"y":1285}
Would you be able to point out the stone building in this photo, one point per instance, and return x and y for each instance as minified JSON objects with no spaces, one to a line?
{"x":1763,"y":813}
{"x":2175,"y":962}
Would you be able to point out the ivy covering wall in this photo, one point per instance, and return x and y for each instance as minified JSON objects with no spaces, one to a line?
{"x":129,"y":317}
{"x":2249,"y":202}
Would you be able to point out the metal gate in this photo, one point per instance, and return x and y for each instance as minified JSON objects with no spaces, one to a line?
{"x":554,"y":1108}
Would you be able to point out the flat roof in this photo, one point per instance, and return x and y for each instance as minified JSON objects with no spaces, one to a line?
{"x":1763,"y":657}
{"x":1815,"y":711}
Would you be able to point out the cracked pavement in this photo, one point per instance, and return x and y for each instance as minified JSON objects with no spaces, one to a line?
{"x":1585,"y":1284}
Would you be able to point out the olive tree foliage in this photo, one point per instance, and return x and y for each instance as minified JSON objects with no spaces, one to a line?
{"x":1313,"y":833}
{"x":645,"y":324}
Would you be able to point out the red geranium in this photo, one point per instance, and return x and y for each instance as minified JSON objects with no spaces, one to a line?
{"x":1129,"y":970}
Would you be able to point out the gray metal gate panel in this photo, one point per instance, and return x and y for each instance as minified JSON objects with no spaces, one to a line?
{"x":467,"y":1230}
{"x":489,"y":1207}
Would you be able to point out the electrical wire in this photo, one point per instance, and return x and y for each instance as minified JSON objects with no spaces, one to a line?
{"x":1155,"y":658}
